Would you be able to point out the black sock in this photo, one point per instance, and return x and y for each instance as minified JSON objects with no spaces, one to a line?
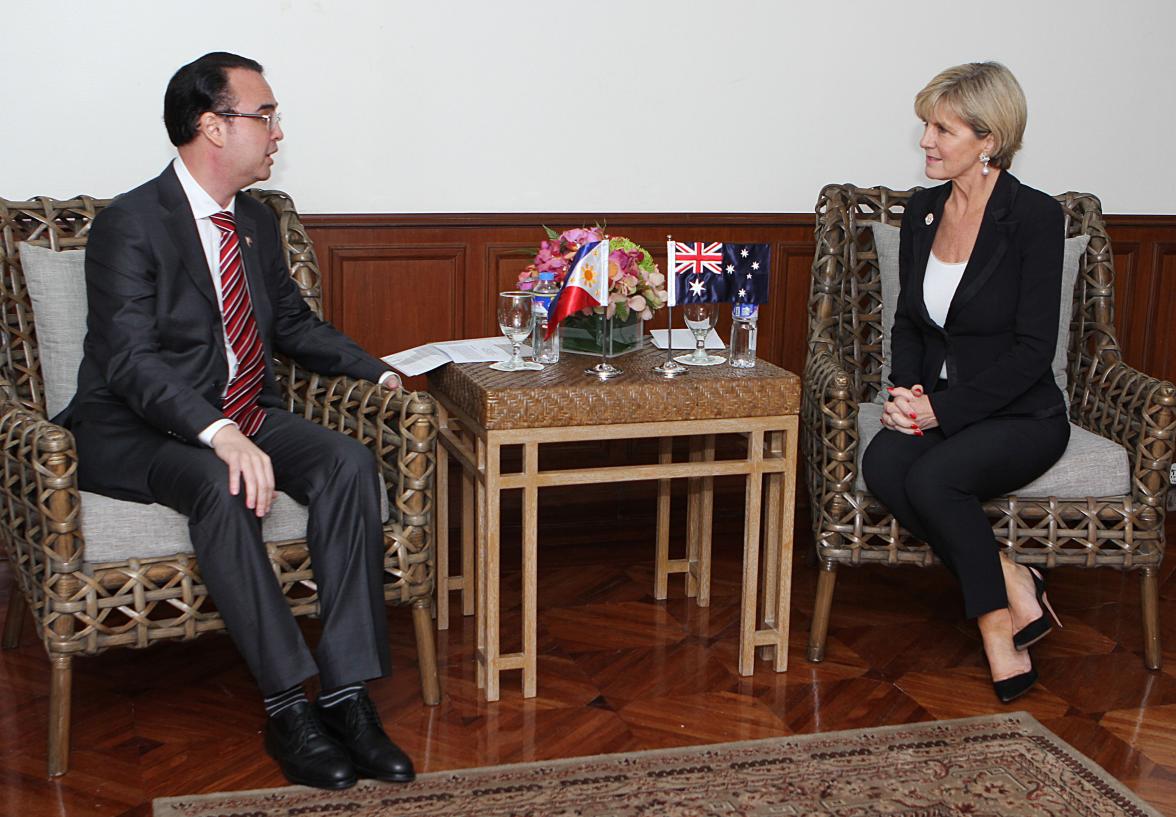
{"x":338,"y":695}
{"x":282,"y":700}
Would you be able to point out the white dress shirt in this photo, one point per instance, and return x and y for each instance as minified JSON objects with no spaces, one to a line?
{"x":203,"y":206}
{"x":939,"y":287}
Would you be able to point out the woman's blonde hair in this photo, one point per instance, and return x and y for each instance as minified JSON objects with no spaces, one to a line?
{"x":987,"y":97}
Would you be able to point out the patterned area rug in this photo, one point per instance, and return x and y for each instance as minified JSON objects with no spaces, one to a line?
{"x":1002,"y":766}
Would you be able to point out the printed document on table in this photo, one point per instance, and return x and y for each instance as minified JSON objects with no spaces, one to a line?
{"x":478,"y":350}
{"x":421,"y":359}
{"x":684,"y":339}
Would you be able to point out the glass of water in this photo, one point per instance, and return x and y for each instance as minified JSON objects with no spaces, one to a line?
{"x":700,"y":319}
{"x":514,"y":319}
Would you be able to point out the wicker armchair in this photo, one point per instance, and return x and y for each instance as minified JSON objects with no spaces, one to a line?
{"x":1106,"y":396}
{"x":82,"y":608}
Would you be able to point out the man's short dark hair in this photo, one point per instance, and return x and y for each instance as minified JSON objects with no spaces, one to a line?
{"x":201,"y":85}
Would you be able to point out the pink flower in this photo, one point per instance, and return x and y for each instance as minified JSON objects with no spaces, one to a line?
{"x":626,"y":260}
{"x":528,"y":277}
{"x":637,"y":303}
{"x":549,"y":258}
{"x":580,"y":235}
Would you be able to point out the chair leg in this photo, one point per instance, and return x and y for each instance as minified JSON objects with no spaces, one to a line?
{"x":821,"y":608}
{"x":14,"y":623}
{"x":422,"y":620}
{"x":1150,"y":606}
{"x":60,"y":684}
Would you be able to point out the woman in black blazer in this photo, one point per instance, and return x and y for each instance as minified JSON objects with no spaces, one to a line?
{"x":974,"y":411}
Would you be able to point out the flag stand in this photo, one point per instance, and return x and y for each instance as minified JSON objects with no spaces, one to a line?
{"x":670,"y":368}
{"x":605,"y":370}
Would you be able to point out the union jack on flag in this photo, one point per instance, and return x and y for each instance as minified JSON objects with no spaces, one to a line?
{"x":698,"y":263}
{"x":698,"y":258}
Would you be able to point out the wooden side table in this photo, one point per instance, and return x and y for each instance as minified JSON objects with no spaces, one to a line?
{"x":481,"y":410}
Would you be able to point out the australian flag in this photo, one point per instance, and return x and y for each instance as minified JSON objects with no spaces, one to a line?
{"x":696,"y":272}
{"x":747,"y":269}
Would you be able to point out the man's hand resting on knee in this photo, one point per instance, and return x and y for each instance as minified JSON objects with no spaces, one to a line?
{"x":249,"y":464}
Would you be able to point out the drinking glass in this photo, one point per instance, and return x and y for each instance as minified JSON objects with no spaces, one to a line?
{"x":700,"y":319}
{"x":514,"y":319}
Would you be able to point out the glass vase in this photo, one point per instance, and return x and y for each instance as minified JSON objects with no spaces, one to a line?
{"x":585,"y":334}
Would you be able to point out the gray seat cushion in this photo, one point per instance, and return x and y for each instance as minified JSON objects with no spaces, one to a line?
{"x":116,"y":530}
{"x":1091,"y":466}
{"x":57,"y":291}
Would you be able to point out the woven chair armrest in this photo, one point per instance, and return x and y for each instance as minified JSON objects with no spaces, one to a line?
{"x":830,"y":414}
{"x":41,"y":504}
{"x":399,"y":427}
{"x":1138,"y":412}
{"x":827,"y":306}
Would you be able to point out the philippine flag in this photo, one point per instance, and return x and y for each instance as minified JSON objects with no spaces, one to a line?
{"x":585,"y":286}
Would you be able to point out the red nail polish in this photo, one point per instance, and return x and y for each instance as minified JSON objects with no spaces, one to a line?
{"x":889,"y":388}
{"x":918,"y":432}
{"x":914,"y":416}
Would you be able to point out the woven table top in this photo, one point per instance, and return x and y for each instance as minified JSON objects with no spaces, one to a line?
{"x":562,"y":395}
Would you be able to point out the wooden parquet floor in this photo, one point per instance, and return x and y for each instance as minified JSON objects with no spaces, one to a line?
{"x":618,"y":672}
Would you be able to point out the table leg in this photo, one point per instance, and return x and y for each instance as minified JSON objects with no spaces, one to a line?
{"x":441,"y":523}
{"x":693,"y":519}
{"x":703,"y":567}
{"x":468,"y":586}
{"x":530,"y":568}
{"x":784,"y":571}
{"x":480,"y":569}
{"x":770,"y":574}
{"x":751,"y":535}
{"x":490,"y":538}
{"x":661,"y":562}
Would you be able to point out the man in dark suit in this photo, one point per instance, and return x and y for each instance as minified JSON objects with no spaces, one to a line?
{"x":190,"y":298}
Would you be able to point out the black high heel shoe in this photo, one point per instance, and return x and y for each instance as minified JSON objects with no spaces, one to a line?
{"x":1014,"y":687}
{"x":1041,"y":626}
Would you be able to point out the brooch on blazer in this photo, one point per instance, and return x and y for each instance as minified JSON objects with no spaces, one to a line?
{"x":249,"y":240}
{"x":928,"y":220}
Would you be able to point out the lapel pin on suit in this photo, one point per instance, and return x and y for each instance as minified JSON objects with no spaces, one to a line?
{"x":249,"y":240}
{"x":928,"y":220}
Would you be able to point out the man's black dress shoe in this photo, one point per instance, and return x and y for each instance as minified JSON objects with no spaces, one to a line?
{"x":1040,"y":627}
{"x":355,"y":724}
{"x":295,"y":739}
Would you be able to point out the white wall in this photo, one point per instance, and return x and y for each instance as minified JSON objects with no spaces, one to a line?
{"x":525,"y":105}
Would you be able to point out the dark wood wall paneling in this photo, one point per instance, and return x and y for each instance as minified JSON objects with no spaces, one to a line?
{"x":396,"y":281}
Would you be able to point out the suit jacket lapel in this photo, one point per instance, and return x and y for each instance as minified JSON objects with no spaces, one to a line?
{"x":181,"y":226}
{"x":924,"y":237}
{"x":991,"y":243}
{"x":254,"y":275}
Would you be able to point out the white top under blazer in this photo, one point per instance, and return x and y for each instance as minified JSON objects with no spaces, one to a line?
{"x":939,"y":287}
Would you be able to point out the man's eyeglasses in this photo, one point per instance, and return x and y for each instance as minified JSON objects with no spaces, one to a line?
{"x":272,"y":120}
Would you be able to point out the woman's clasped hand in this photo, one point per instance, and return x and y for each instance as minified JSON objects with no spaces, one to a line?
{"x":909,"y":411}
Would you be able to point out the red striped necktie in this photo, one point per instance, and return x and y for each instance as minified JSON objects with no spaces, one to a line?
{"x":240,"y":403}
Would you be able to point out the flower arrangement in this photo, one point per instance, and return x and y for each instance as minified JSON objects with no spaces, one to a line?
{"x":635,"y":285}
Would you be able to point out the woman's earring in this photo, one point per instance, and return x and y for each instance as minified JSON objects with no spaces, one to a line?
{"x":984,"y":160}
